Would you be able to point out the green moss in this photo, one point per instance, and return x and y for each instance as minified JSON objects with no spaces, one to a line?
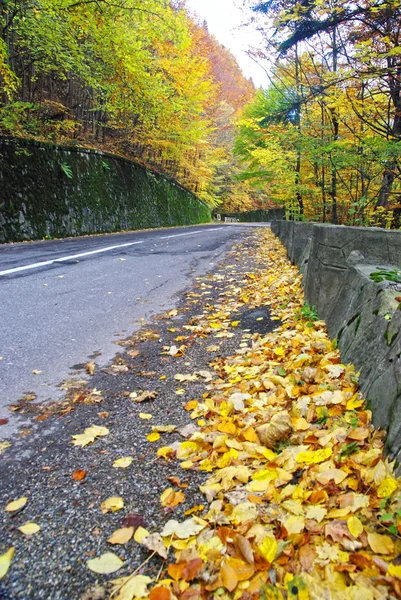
{"x":94,"y":199}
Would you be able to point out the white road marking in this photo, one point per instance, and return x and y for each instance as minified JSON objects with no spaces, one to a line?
{"x":64,"y":258}
{"x":45,"y":263}
{"x":166,"y":237}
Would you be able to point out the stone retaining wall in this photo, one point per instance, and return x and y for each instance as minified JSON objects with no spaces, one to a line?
{"x":55,"y":191}
{"x":364,"y":316}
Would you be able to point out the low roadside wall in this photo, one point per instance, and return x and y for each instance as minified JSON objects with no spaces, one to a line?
{"x":55,"y":191}
{"x":364,"y":316}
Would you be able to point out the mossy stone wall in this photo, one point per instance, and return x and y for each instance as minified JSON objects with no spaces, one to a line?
{"x":55,"y":191}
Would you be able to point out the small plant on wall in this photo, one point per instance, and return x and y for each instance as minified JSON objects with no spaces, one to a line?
{"x":66,"y":169}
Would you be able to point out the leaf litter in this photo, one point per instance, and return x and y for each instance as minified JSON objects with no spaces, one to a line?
{"x":296,"y":479}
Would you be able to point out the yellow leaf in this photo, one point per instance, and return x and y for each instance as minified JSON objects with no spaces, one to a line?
{"x":182,"y":530}
{"x":153,"y":437}
{"x":311,"y":457}
{"x":112,"y":504}
{"x":268,"y":548}
{"x":105,"y":564}
{"x":16,"y":504}
{"x":171,"y":498}
{"x":316,"y":512}
{"x":339,"y":513}
{"x":195,"y":509}
{"x":121,"y":536}
{"x":279,"y":351}
{"x":294,"y":524}
{"x":164,"y":451}
{"x":89,"y":435}
{"x":244,"y":513}
{"x":394,"y":570}
{"x":387,"y":487}
{"x":145,"y":416}
{"x":354,"y":403}
{"x":128,"y":588}
{"x":123,"y":463}
{"x":5,"y":561}
{"x":338,"y":475}
{"x":355,"y":526}
{"x":187,"y":464}
{"x":140,"y":534}
{"x":381,"y":544}
{"x":29,"y":528}
{"x":300,"y":424}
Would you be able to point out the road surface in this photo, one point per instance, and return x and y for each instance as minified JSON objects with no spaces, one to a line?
{"x":62,"y":302}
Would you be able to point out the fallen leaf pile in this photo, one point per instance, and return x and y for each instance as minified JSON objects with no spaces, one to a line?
{"x":302,"y":502}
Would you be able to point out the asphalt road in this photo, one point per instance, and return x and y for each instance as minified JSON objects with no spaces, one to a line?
{"x":63,"y":302}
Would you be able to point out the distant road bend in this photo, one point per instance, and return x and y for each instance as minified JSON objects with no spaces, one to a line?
{"x":63,"y":301}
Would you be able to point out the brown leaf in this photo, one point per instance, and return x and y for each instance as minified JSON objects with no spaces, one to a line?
{"x":134,"y":520}
{"x":245,"y":548}
{"x":155,"y":543}
{"x":78,"y":475}
{"x":337,"y":530}
{"x":192,"y":569}
{"x":307,"y":557}
{"x":176,"y":481}
{"x":279,"y":428}
{"x":3,"y":421}
{"x":146,"y":396}
{"x":90,"y":367}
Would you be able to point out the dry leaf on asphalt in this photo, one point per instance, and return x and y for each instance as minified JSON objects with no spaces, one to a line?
{"x":123,"y":463}
{"x":90,"y":367}
{"x":146,"y":396}
{"x":105,"y":564}
{"x":29,"y":528}
{"x":121,"y":536}
{"x":155,"y":543}
{"x":112,"y":504}
{"x":89,"y":435}
{"x":5,"y":561}
{"x":16,"y":504}
{"x":128,"y":588}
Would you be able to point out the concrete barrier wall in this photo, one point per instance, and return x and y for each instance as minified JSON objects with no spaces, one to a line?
{"x":364,"y":316}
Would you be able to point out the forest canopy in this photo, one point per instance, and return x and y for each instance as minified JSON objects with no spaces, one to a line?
{"x":324,"y":137}
{"x":140,"y":78}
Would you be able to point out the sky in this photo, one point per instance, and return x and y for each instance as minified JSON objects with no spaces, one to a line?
{"x":224,"y":19}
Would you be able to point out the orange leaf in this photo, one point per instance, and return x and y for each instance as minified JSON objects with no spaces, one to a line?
{"x":191,"y":405}
{"x":255,"y":499}
{"x":243,"y":571}
{"x":359,"y":434}
{"x":175,"y":570}
{"x":191,"y":569}
{"x":78,"y":475}
{"x":228,"y":577}
{"x":160,"y":593}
